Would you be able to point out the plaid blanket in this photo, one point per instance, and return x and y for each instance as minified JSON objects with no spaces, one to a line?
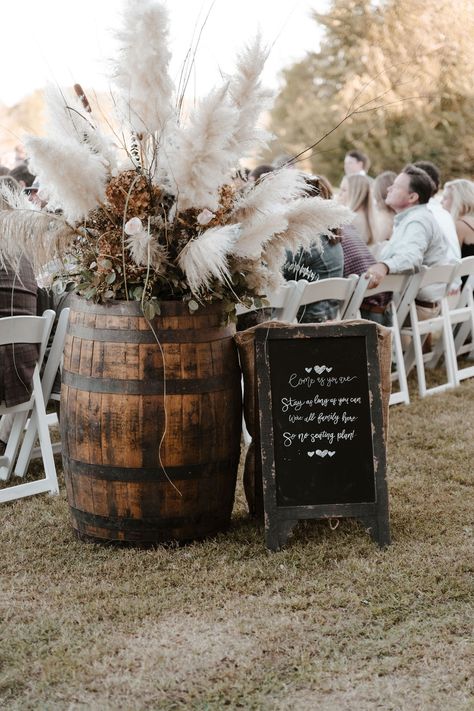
{"x":17,"y":363}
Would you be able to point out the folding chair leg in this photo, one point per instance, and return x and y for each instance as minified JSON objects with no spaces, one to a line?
{"x":13,"y":443}
{"x":418,"y":349}
{"x":403,"y":394}
{"x":24,"y":456}
{"x":44,"y":437}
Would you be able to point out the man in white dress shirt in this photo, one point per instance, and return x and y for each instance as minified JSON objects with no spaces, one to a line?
{"x":416,"y":239}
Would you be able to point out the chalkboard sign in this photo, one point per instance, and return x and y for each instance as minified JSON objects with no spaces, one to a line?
{"x":321,"y":427}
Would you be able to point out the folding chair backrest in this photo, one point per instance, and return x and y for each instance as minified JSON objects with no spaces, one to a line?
{"x":284,"y":301}
{"x":55,"y":354}
{"x":393,"y":283}
{"x":465,"y":268}
{"x":412,"y":289}
{"x":27,"y":329}
{"x":337,"y":289}
{"x":438,"y":274}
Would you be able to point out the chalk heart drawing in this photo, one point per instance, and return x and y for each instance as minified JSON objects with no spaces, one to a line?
{"x":321,"y":369}
{"x":322,"y":453}
{"x":310,"y":454}
{"x":308,"y":370}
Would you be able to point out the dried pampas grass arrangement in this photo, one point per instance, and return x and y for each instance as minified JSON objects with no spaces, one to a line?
{"x":152,"y":212}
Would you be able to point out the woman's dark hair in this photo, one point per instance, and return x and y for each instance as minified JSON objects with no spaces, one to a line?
{"x":319,"y":186}
{"x":260,"y":170}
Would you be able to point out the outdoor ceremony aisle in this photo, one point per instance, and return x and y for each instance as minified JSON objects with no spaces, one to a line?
{"x":331,"y":622}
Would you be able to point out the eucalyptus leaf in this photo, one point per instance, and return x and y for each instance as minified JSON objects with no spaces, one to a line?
{"x":148,"y":310}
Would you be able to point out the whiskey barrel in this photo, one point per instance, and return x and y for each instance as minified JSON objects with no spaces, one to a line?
{"x":150,"y":422}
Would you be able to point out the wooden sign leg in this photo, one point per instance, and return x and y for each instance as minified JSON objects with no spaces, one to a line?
{"x":378,"y":529}
{"x":277,"y":534}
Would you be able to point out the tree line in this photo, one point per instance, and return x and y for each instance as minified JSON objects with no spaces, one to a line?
{"x":392,"y":78}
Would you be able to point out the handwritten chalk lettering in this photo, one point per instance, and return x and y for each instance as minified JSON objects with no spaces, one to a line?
{"x":311,"y":437}
{"x":342,"y":436}
{"x":296,"y":418}
{"x":329,"y":417}
{"x":288,"y":403}
{"x":331,"y":381}
{"x":348,"y":418}
{"x":296,"y":382}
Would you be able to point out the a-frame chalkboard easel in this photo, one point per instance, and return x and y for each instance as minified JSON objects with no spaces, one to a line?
{"x":321,"y":427}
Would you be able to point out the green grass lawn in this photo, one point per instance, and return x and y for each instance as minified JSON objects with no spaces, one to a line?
{"x":329,"y":623}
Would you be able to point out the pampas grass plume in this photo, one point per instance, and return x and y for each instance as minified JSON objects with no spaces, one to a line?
{"x":73,"y":176}
{"x":205,"y":258}
{"x":250,"y":97}
{"x":200,"y":160}
{"x":141,"y":72}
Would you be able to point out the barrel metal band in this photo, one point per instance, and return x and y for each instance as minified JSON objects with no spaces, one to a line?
{"x":188,"y":386}
{"x":139,"y":475}
{"x":168,"y":335}
{"x":148,"y":524}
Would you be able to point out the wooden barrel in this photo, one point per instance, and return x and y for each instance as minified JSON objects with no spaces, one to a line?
{"x":150,"y":422}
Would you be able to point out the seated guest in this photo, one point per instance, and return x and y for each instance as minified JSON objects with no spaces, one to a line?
{"x":357,"y":260}
{"x":382,"y":215}
{"x":259,"y":171}
{"x":18,"y":290}
{"x":458,"y":199}
{"x":17,"y":363}
{"x":22,"y":175}
{"x":321,"y":262}
{"x":416,"y":239}
{"x":356,"y":163}
{"x":355,"y":194}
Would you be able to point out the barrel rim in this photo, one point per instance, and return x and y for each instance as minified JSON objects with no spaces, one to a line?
{"x":121,"y":307}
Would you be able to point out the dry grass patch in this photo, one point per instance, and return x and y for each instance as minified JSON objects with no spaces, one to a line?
{"x":331,"y":622}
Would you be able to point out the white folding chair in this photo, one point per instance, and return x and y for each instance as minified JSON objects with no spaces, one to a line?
{"x":461,"y":317}
{"x":47,"y":381}
{"x":418,"y":330}
{"x":397,"y":285}
{"x":284,"y":301}
{"x":335,"y":289}
{"x":28,"y":329}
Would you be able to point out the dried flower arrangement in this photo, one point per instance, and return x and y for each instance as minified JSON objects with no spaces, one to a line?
{"x":151,"y":212}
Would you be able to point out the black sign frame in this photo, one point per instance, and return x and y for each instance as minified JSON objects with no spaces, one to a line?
{"x":281,"y":519}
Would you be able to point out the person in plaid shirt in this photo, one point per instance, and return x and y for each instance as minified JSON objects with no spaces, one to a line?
{"x":357,"y":260}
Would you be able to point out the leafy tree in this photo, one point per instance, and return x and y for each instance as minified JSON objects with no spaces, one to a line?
{"x":393,"y":78}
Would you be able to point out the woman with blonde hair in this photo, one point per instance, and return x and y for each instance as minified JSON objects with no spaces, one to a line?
{"x":383,"y":215}
{"x":458,"y":199}
{"x":354,"y":192}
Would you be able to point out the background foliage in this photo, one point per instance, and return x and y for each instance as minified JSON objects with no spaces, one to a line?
{"x":398,"y":74}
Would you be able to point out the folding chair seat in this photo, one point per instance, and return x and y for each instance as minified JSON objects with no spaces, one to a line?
{"x":418,"y":330}
{"x":335,"y":289}
{"x":53,"y":363}
{"x":397,"y":285}
{"x":28,"y":329}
